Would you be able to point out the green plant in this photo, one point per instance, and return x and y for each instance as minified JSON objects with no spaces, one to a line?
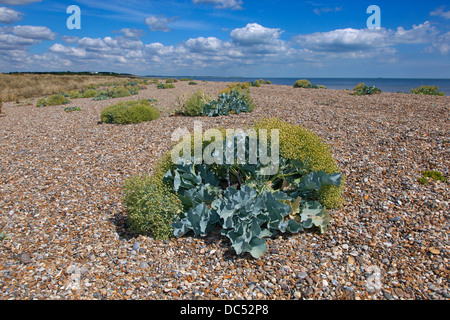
{"x":170,"y":80}
{"x":192,"y":83}
{"x":302,"y":83}
{"x":71,"y":109}
{"x":428,"y":90}
{"x":74,"y":94}
{"x":194,"y":106}
{"x":361,"y":90}
{"x":151,"y":206}
{"x":130,"y":112}
{"x":234,"y":102}
{"x":165,"y":86}
{"x":307,"y":85}
{"x":90,"y":93}
{"x":434,"y":175}
{"x":246,"y":204}
{"x":256,"y":208}
{"x":119,"y":92}
{"x":53,"y":100}
{"x":4,"y":236}
{"x":299,"y":144}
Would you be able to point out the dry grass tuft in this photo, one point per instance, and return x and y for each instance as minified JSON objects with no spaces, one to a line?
{"x":15,"y":87}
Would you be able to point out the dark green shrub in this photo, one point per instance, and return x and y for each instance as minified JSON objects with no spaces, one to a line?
{"x":130,"y":112}
{"x":169,"y":80}
{"x":361,"y":90}
{"x":192,"y":83}
{"x":428,"y":90}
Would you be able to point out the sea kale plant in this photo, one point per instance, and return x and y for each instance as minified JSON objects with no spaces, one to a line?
{"x":247,"y":202}
{"x":234,"y":102}
{"x":362,"y":90}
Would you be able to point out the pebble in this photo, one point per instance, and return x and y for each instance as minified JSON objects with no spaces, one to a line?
{"x":302,"y":275}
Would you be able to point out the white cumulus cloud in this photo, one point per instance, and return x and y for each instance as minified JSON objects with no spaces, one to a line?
{"x":9,"y":16}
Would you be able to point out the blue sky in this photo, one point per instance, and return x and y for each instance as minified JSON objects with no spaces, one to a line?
{"x":317,"y":38}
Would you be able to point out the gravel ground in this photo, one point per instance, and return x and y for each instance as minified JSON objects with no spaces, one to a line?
{"x":61,"y":205}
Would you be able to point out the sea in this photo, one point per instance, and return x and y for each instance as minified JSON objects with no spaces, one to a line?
{"x":386,"y":85}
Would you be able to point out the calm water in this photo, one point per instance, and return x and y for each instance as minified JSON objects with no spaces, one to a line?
{"x":386,"y":85}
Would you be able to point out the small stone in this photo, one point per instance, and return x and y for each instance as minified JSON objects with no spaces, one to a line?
{"x":348,"y":288}
{"x":297,"y":295}
{"x":345,"y":246}
{"x":354,"y":253}
{"x":136,"y":246}
{"x":435,"y":251}
{"x":387,"y":296}
{"x":396,"y":219}
{"x":25,"y":258}
{"x":285,"y":287}
{"x":351,"y":260}
{"x":302,"y":275}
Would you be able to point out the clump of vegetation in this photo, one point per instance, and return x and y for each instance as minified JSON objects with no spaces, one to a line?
{"x":130,"y":112}
{"x":428,"y":90}
{"x":234,"y":102}
{"x":361,"y":90}
{"x":119,"y":90}
{"x":165,"y":86}
{"x":1,"y":105}
{"x":256,"y":83}
{"x":186,"y":79}
{"x":244,"y":92}
{"x":4,"y":236}
{"x":193,"y":106}
{"x":192,"y":83}
{"x":307,"y":85}
{"x":53,"y":100}
{"x":151,"y":206}
{"x":72,"y":109}
{"x":434,"y":175}
{"x":245,"y":202}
